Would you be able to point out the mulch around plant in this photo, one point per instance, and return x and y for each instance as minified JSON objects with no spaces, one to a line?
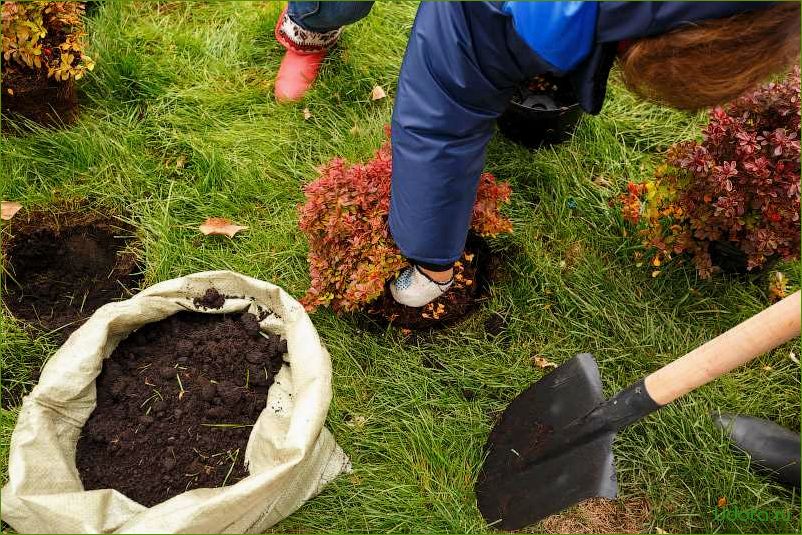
{"x":472,"y":276}
{"x":176,"y":403}
{"x":61,"y":267}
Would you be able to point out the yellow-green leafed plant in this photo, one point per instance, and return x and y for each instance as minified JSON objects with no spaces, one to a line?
{"x":45,"y":37}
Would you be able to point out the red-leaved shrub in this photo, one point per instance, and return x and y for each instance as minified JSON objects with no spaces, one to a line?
{"x":351,"y":252}
{"x":739,"y":185}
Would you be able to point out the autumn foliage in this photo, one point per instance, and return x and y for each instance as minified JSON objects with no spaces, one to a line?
{"x":351,"y":252}
{"x":739,"y":185}
{"x":45,"y":37}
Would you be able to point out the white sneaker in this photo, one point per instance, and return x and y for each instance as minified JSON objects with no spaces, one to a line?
{"x":414,"y":289}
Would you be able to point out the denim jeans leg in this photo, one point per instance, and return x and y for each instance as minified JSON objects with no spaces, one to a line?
{"x":327,"y":16}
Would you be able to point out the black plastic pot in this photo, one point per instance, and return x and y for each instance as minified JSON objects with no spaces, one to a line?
{"x":733,"y":261}
{"x":537,"y":120}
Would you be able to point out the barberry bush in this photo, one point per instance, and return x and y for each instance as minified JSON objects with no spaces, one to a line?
{"x":739,"y":185}
{"x":351,"y":252}
{"x":45,"y":37}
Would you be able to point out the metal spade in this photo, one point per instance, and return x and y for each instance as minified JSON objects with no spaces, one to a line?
{"x":552,"y":447}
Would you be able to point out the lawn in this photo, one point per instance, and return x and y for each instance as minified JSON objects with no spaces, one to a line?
{"x":179,"y":124}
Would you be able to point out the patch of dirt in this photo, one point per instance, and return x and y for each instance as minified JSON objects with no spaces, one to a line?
{"x":210,"y":300}
{"x":495,"y":324}
{"x":61,"y":267}
{"x":600,"y":515}
{"x":176,"y":403}
{"x":472,"y":276}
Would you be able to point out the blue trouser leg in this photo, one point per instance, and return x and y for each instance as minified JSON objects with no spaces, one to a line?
{"x":327,"y":16}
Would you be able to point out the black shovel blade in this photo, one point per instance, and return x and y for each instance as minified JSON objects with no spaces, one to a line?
{"x":518,"y":485}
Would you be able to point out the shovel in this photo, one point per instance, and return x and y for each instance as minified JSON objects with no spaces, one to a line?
{"x":552,"y":447}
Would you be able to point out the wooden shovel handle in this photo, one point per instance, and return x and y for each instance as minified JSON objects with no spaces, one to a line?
{"x":760,"y":333}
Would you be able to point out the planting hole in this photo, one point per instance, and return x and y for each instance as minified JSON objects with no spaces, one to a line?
{"x":59,"y":268}
{"x":472,"y":276}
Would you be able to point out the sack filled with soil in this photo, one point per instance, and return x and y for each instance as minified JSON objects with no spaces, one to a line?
{"x":209,"y":352}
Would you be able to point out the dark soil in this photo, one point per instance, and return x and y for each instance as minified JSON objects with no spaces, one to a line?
{"x":472,"y":276}
{"x":62,"y":267}
{"x":210,"y":300}
{"x":149,"y":440}
{"x":495,"y":324}
{"x":30,"y":94}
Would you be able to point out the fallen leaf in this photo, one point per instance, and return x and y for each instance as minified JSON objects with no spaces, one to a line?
{"x":357,"y":422}
{"x":220,"y":226}
{"x":180,"y":162}
{"x":541,"y":362}
{"x":792,"y":356}
{"x":10,"y":91}
{"x":377,"y":93}
{"x":778,"y":286}
{"x":307,"y":114}
{"x":722,"y":501}
{"x":9,"y":209}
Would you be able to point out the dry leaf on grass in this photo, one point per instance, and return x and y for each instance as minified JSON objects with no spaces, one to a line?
{"x":9,"y":209}
{"x":377,"y":93}
{"x":307,"y":114}
{"x":357,"y":422}
{"x":181,"y":162}
{"x":541,"y":362}
{"x":778,"y":286}
{"x":220,"y":226}
{"x":793,"y":358}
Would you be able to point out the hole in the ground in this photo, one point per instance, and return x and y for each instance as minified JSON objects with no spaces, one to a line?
{"x":473,"y":274}
{"x":61,"y":267}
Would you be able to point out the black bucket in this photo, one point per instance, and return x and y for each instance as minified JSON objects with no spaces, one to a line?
{"x":537,"y":119}
{"x":731,"y":260}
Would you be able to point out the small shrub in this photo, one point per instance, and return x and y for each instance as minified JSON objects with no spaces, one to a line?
{"x":739,"y":185}
{"x":351,"y":252}
{"x":45,"y":37}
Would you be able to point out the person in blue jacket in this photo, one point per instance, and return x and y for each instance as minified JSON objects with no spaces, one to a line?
{"x":464,"y":60}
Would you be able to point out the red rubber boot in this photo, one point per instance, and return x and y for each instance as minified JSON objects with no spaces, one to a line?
{"x":301,"y":63}
{"x":297,"y":74}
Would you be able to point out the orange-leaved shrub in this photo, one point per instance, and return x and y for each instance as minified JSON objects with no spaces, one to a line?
{"x":351,"y":252}
{"x":737,"y":189}
{"x":44,"y":38}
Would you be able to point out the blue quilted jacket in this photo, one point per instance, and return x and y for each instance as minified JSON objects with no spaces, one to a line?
{"x":462,"y":63}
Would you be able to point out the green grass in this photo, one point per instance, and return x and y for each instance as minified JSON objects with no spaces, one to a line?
{"x":182,"y":82}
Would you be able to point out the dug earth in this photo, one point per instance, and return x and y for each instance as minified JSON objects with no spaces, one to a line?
{"x":176,"y":402}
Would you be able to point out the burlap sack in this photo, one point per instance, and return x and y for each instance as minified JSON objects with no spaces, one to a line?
{"x":290,"y":455}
